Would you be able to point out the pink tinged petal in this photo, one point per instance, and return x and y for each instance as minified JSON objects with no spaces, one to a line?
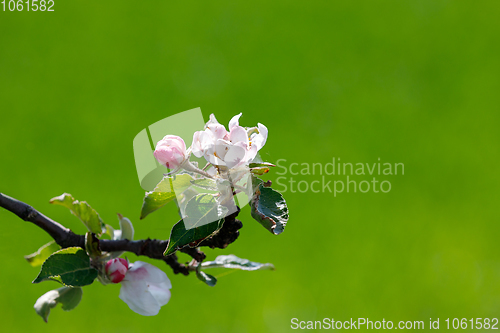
{"x":251,"y":153}
{"x":145,"y":289}
{"x":259,"y":139}
{"x":171,"y":157}
{"x":221,"y":148}
{"x":210,"y":155}
{"x":142,"y":270}
{"x":173,"y":140}
{"x":214,"y":159}
{"x":201,"y":141}
{"x":218,"y":131}
{"x":196,"y":145}
{"x":238,"y":134}
{"x":263,"y":131}
{"x":234,"y":121}
{"x":211,"y":121}
{"x":160,"y":293}
{"x":170,"y":151}
{"x":235,"y":154}
{"x":138,"y":298}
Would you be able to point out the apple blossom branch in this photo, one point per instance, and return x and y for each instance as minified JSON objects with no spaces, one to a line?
{"x":151,"y":248}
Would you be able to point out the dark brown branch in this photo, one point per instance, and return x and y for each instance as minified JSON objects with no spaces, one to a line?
{"x":63,"y":236}
{"x":151,"y":248}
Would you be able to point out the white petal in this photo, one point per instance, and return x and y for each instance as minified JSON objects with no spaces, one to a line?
{"x":138,"y":298}
{"x":263,"y":131}
{"x":218,"y":131}
{"x":221,"y":148}
{"x":141,"y":270}
{"x":196,"y":146}
{"x":201,"y":141}
{"x":235,"y":154}
{"x":238,"y":134}
{"x":234,"y":121}
{"x":160,"y":293}
{"x":211,"y":121}
{"x":251,"y":153}
{"x":145,"y":288}
{"x":259,"y":139}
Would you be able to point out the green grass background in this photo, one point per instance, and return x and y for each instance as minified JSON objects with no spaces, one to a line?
{"x":415,"y":82}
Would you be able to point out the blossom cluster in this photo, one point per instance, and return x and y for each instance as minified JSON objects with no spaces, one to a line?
{"x":220,"y":147}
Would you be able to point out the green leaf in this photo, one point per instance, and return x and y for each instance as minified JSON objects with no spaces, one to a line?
{"x":109,"y":233}
{"x":164,"y":192}
{"x":92,"y":245}
{"x":201,"y":210}
{"x":67,"y":296}
{"x":205,"y":183}
{"x":255,"y":183}
{"x":233,"y":262}
{"x":36,"y":259}
{"x":207,"y":278}
{"x":82,"y":210}
{"x":259,"y":170}
{"x":72,"y":265}
{"x":261,"y":164}
{"x":269,"y":209}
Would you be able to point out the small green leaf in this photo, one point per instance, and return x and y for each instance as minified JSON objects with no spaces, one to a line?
{"x":71,"y":298}
{"x":205,"y":183}
{"x":269,"y":208}
{"x":92,"y":245}
{"x":164,"y":192}
{"x":36,"y":259}
{"x":67,"y":296}
{"x":259,"y":170}
{"x":109,"y":233}
{"x":261,"y":164}
{"x":233,"y":262}
{"x":207,"y":278}
{"x":82,"y":210}
{"x":201,"y":210}
{"x":72,"y":265}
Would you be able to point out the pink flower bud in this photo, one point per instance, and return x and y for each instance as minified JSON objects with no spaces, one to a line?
{"x":116,"y":269}
{"x":170,"y":151}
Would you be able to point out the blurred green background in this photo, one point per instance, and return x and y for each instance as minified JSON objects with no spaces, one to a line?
{"x":413,"y":82}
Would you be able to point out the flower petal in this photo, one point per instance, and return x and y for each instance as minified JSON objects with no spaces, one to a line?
{"x":235,"y":154}
{"x":234,"y":121}
{"x":251,"y":153}
{"x":259,"y":139}
{"x":201,"y":141}
{"x":138,"y":298}
{"x":238,"y":134}
{"x":141,"y":270}
{"x":161,"y":293}
{"x":145,"y":288}
{"x":221,"y":148}
{"x":218,"y":131}
{"x":170,"y":151}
